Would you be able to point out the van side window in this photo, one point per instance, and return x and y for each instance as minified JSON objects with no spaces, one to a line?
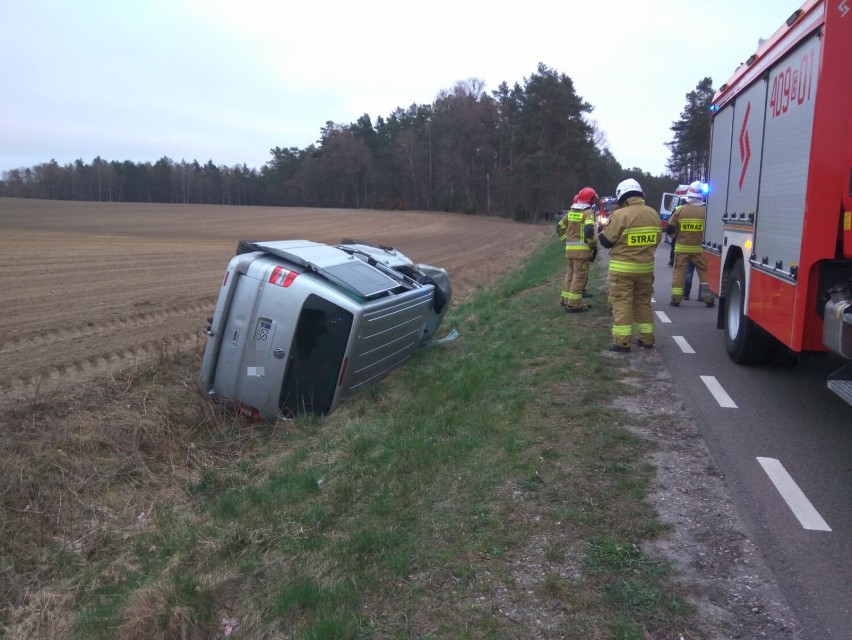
{"x":319,"y":344}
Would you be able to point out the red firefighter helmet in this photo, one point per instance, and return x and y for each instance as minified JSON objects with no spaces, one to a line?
{"x":586,"y":195}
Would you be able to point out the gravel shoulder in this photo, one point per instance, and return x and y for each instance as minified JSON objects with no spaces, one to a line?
{"x":732,"y":587}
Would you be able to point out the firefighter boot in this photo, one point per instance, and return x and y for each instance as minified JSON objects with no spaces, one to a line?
{"x":705,"y":296}
{"x":620,"y":342}
{"x":645,"y":341}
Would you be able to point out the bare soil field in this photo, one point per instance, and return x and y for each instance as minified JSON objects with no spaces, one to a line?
{"x":92,"y":287}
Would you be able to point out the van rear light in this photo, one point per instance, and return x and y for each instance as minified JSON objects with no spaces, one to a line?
{"x":282,"y":277}
{"x":248,"y":412}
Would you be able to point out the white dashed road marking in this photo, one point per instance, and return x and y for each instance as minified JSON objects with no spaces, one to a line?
{"x":793,"y":496}
{"x":663,"y":317}
{"x":718,"y":392}
{"x":683,"y":344}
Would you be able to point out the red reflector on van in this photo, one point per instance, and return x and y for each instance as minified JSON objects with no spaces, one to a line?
{"x":282,"y":277}
{"x":225,"y":279}
{"x":343,"y":371}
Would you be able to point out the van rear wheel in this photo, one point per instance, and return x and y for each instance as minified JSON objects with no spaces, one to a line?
{"x":745,"y":342}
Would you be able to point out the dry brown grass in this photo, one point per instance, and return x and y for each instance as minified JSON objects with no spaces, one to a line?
{"x":86,"y":471}
{"x":101,"y":425}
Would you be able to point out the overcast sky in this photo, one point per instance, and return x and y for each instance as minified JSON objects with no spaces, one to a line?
{"x":227,"y":80}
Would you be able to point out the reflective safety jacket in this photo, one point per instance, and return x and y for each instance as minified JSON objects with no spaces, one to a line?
{"x":632,"y":236}
{"x":687,"y":225}
{"x":577,"y":229}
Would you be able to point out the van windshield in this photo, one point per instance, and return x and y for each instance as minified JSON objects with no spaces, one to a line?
{"x":319,"y":344}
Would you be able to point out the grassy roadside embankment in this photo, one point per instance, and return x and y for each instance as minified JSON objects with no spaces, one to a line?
{"x":486,"y":489}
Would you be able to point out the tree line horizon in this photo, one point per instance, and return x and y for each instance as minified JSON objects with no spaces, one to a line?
{"x":519,"y":152}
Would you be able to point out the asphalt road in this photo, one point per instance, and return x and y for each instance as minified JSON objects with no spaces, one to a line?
{"x":784,"y":443}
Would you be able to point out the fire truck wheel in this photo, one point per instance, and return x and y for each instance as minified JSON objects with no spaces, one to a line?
{"x":745,"y":342}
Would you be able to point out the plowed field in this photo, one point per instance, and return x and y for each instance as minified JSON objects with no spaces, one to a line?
{"x":89,"y":288}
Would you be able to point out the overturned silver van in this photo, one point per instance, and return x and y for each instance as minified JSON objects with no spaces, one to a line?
{"x":299,"y":325}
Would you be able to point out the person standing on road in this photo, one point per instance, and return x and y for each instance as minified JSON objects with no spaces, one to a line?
{"x":577,"y":229}
{"x":690,"y":267}
{"x":687,"y":224}
{"x":687,"y":287}
{"x":632,"y":236}
{"x":672,"y":245}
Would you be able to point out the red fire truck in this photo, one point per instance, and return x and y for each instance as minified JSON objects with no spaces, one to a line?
{"x":778,"y":236}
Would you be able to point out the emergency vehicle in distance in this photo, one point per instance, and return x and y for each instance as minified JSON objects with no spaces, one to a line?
{"x":668,"y":204}
{"x":606,"y":205}
{"x":778,"y":236}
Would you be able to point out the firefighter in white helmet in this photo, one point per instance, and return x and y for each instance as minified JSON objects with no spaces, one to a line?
{"x":632,"y":236}
{"x":687,"y":223}
{"x":577,"y":230}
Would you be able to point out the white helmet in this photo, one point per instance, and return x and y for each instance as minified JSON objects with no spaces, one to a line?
{"x":627,"y":188}
{"x":695,"y":192}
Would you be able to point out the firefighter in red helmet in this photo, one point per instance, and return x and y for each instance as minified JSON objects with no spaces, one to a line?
{"x":577,"y":229}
